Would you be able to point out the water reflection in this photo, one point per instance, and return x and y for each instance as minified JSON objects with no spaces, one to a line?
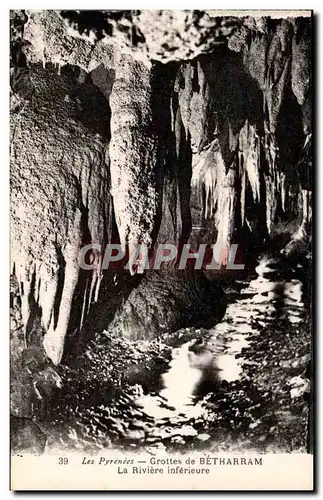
{"x":198,"y":366}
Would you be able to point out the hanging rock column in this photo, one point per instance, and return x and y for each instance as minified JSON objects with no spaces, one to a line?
{"x":302,"y":87}
{"x":137,"y":153}
{"x":59,"y":195}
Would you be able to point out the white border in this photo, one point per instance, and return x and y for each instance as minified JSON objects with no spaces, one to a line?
{"x":4,"y":188}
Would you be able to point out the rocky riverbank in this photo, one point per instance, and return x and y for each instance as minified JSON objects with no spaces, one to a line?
{"x":116,"y":393}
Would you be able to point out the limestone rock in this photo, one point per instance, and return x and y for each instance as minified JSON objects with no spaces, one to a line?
{"x":59,"y":194}
{"x":26,"y":437}
{"x":166,"y":301}
{"x":181,"y":143}
{"x":140,"y":128}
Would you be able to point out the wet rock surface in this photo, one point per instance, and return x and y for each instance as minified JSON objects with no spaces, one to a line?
{"x":180,"y":133}
{"x":243,"y":384}
{"x":160,"y":126}
{"x":59,"y":193}
{"x":26,"y":436}
{"x":166,"y":301}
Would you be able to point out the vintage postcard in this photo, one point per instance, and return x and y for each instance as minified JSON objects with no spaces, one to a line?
{"x":161,"y":250}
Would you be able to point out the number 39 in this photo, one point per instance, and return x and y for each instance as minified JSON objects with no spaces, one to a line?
{"x":63,"y":460}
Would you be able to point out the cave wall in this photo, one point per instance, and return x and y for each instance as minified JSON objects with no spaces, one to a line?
{"x":246,"y":110}
{"x":140,"y":134}
{"x":59,"y":193}
{"x":168,"y":135}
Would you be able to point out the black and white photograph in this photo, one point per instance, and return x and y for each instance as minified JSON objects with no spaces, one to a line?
{"x":161,"y":286}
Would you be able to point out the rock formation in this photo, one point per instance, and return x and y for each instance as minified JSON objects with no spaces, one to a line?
{"x":26,"y":437}
{"x":145,"y":127}
{"x":166,"y":301}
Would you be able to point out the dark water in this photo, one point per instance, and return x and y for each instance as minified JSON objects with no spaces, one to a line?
{"x":241,"y":385}
{"x":272,"y":298}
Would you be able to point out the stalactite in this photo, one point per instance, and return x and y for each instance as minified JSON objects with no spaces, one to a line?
{"x":195,"y":98}
{"x":224,"y":143}
{"x":207,"y":173}
{"x":277,"y":71}
{"x":47,"y":289}
{"x":243,"y":195}
{"x":271,"y":178}
{"x":225,"y":217}
{"x":301,"y":60}
{"x":268,"y":58}
{"x":171,"y":226}
{"x":54,"y":339}
{"x":59,"y":193}
{"x":283,"y":191}
{"x":249,"y":147}
{"x":211,"y":178}
{"x":137,"y":152}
